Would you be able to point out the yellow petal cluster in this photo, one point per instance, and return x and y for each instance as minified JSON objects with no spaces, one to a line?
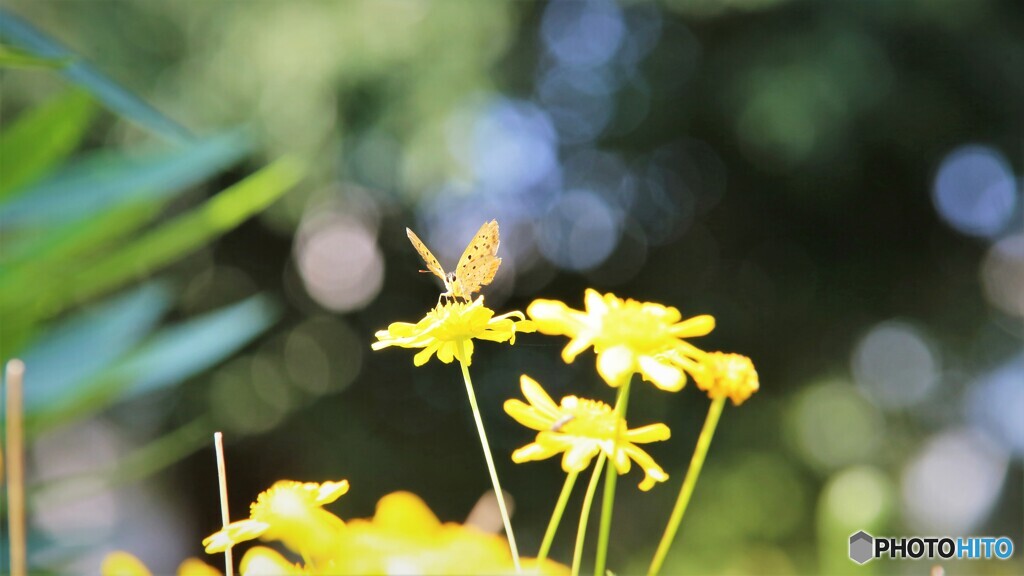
{"x":290,"y":512}
{"x":579,"y":429}
{"x":449,"y":329}
{"x":404,"y":537}
{"x":628,"y":336}
{"x":727,"y":375}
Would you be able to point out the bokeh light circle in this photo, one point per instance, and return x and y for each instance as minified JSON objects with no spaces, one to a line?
{"x":975,"y":191}
{"x":579,"y":232}
{"x":952,"y":484}
{"x":1002,"y":275}
{"x":339,"y":262}
{"x":894,"y":365}
{"x":833,"y":426}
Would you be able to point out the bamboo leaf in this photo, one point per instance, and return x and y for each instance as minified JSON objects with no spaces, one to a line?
{"x":107,"y":179}
{"x":17,"y":32}
{"x":41,"y":138}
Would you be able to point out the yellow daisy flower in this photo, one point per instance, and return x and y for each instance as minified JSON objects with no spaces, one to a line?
{"x":450,"y":328}
{"x":405,"y":537}
{"x":727,"y":375}
{"x":628,"y":336}
{"x":581,"y":429}
{"x":290,"y":512}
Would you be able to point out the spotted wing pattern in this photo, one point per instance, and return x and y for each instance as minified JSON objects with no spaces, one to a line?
{"x":428,"y":257}
{"x":479,"y":262}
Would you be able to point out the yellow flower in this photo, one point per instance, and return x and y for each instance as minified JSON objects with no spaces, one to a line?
{"x":290,"y":512}
{"x":405,"y":537}
{"x":263,"y":561}
{"x":450,"y":325}
{"x":124,"y":564}
{"x":581,"y":429}
{"x":628,"y":336}
{"x":727,"y":375}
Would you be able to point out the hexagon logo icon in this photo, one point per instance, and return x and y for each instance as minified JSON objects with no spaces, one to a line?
{"x":861,"y":547}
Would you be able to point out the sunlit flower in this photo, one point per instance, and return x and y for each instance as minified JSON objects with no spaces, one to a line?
{"x":628,"y":336}
{"x":263,"y":561}
{"x":581,"y":429}
{"x":448,"y":325}
{"x":124,"y":564}
{"x":290,"y":512}
{"x":405,"y":537}
{"x":727,"y":375}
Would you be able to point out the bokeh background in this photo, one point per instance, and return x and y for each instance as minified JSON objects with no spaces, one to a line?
{"x":839,"y":184}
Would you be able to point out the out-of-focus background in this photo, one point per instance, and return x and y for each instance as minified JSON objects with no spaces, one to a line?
{"x":202,"y":210}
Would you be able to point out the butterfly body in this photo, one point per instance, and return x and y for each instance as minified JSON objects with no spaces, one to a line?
{"x":476,"y":267}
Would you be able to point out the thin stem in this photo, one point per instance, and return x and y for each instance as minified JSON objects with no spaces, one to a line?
{"x":689,"y":483}
{"x":222,"y":483}
{"x":556,"y":517}
{"x":16,"y":469}
{"x":588,"y":501}
{"x":490,"y":460}
{"x":611,"y":475}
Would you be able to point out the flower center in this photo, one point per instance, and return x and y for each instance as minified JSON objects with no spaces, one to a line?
{"x":591,"y":418}
{"x":635,"y":327}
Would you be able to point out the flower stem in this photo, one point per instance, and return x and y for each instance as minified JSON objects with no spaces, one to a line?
{"x":490,"y":460}
{"x":556,"y":517}
{"x":588,"y":501}
{"x":689,"y":483}
{"x":611,"y":475}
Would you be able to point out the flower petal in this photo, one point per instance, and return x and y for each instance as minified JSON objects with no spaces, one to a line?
{"x":647,"y":434}
{"x":196,"y":567}
{"x":577,"y":458}
{"x":692,"y":327}
{"x":535,"y":451}
{"x":233,"y":534}
{"x":652,"y":472}
{"x":595,"y":303}
{"x":263,"y":561}
{"x":328,"y":492}
{"x":424,"y":355}
{"x":123,"y":564}
{"x":554,"y":318}
{"x":405,"y":513}
{"x":664,"y":375}
{"x":578,"y":344}
{"x":527,"y":415}
{"x":615,"y":365}
{"x":536,"y":395}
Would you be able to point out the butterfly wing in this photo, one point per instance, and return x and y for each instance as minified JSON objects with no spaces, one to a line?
{"x":428,"y":258}
{"x":479,"y":263}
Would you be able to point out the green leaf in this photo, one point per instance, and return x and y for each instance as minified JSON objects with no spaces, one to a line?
{"x":16,"y":31}
{"x":14,"y":58}
{"x":89,"y":342}
{"x":42,"y":137}
{"x":167,"y":243}
{"x":163,"y":361}
{"x":105,"y":179}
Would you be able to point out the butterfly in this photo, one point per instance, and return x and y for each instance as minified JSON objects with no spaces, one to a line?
{"x":476,"y":268}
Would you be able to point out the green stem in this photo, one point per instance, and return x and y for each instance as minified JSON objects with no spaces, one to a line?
{"x":689,"y":483}
{"x":588,"y":501}
{"x":611,"y":475}
{"x":490,"y":459}
{"x":556,"y":517}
